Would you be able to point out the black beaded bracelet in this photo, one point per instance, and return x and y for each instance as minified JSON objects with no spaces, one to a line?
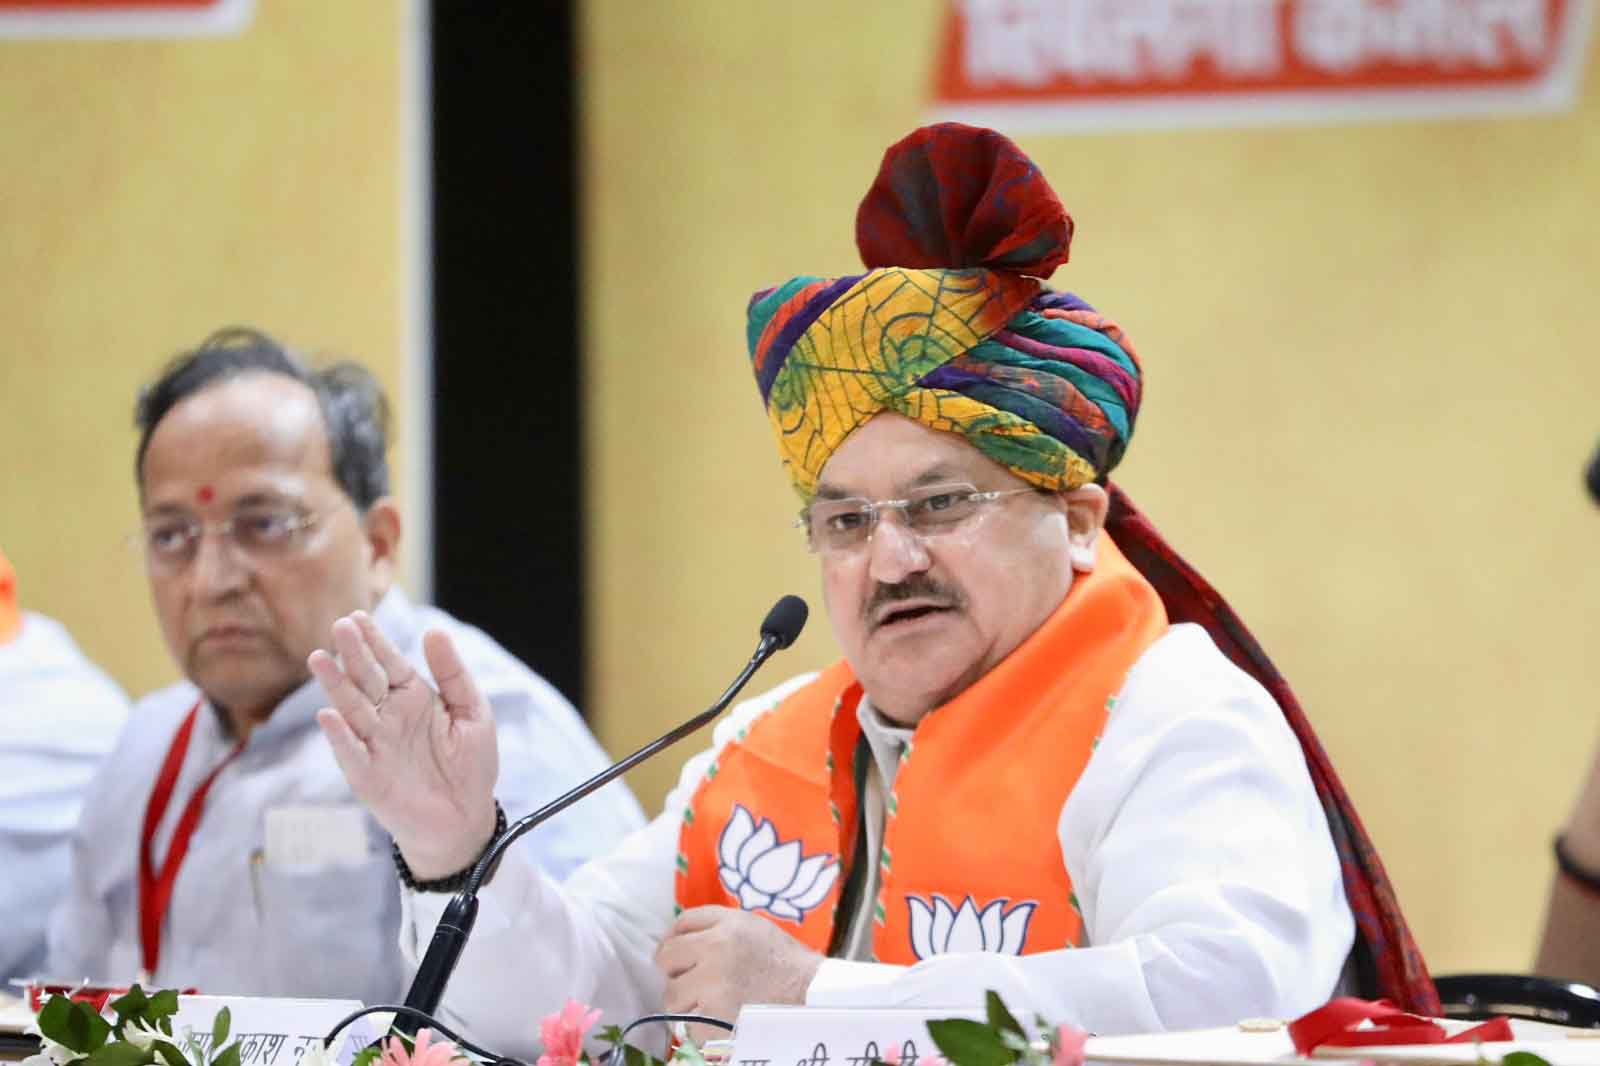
{"x":458,"y":880}
{"x":1587,"y":878}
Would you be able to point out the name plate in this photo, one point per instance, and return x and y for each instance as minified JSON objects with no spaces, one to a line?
{"x":835,"y":1036}
{"x":271,"y":1031}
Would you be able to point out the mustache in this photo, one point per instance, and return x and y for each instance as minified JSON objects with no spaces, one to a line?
{"x":915,"y":587}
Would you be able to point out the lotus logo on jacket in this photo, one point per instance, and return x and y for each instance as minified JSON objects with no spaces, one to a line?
{"x":764,"y":873}
{"x":937,"y":928}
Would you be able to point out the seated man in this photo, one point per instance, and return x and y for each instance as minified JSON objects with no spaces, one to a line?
{"x":59,"y":716}
{"x":220,"y":847}
{"x":1021,"y":777}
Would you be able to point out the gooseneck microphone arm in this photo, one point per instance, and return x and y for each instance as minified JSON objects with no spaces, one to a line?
{"x":780,"y":628}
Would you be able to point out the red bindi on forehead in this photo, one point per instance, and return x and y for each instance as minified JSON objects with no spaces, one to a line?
{"x":206,"y":494}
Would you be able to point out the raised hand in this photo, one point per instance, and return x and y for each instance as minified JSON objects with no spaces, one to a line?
{"x":423,"y":762}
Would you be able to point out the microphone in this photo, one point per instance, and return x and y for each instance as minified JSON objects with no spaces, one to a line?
{"x":778,"y":630}
{"x":1593,"y":478}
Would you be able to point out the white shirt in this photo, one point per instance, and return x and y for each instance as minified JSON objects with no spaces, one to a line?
{"x":59,"y":717}
{"x":241,"y":922}
{"x":1195,"y":842}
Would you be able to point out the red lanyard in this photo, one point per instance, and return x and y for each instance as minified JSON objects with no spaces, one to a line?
{"x":155,"y":887}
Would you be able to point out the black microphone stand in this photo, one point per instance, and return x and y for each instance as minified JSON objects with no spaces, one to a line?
{"x":778,"y":631}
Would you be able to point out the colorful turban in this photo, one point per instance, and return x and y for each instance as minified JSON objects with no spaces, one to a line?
{"x":951,"y":325}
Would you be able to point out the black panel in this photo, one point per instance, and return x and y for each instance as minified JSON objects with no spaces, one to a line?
{"x":508,"y":495}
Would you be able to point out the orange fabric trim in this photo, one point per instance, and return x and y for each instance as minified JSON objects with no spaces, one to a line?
{"x":10,"y":614}
{"x":971,"y":860}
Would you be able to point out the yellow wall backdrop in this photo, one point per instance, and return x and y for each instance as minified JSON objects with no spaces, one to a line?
{"x":1372,"y":386}
{"x":152,"y":191}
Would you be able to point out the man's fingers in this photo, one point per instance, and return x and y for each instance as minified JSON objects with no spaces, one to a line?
{"x":360,"y":666}
{"x":697,"y":918}
{"x":352,"y":756}
{"x":676,"y":957}
{"x":387,"y":655}
{"x":349,"y":702}
{"x":680,"y":997}
{"x":456,"y":687}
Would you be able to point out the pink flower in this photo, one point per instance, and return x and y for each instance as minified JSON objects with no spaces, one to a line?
{"x":1069,"y":1045}
{"x":425,"y":1052}
{"x":563,"y":1034}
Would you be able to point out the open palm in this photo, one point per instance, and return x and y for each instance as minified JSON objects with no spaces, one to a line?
{"x":423,"y":761}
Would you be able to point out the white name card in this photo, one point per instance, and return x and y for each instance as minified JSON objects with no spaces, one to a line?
{"x":835,"y":1036}
{"x":272,"y":1031}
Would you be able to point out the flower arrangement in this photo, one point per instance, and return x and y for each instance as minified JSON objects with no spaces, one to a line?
{"x":1001,"y":1041}
{"x":139,"y":1033}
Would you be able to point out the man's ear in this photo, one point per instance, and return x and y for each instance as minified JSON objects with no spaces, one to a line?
{"x":1086,"y":518}
{"x":381,"y":525}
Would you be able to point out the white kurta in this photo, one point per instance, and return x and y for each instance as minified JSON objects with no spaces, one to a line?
{"x":59,"y":719}
{"x":241,"y":922}
{"x":1195,"y":842}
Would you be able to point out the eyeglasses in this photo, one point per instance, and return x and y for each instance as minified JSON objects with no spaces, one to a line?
{"x":843,"y":525}
{"x":170,"y":544}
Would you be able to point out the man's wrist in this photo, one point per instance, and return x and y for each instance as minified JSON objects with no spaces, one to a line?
{"x":449,"y":875}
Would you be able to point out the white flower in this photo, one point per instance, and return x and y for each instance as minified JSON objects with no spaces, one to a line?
{"x":141,"y":1035}
{"x":766,"y":874}
{"x":316,"y":1055}
{"x":941,"y":929}
{"x":50,"y":1052}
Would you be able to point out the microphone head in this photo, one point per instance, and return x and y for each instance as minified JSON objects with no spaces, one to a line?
{"x":785,"y":621}
{"x":1594,"y":477}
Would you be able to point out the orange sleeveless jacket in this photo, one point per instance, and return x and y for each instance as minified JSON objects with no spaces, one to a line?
{"x":970,"y":857}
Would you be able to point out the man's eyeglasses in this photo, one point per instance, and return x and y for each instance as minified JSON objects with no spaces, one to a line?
{"x":843,"y":525}
{"x":260,"y":533}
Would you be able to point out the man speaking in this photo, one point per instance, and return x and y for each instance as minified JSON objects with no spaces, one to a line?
{"x":1022,"y":776}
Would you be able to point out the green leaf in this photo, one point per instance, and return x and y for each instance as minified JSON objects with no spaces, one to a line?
{"x":163,"y":1004}
{"x":632,"y":1056}
{"x":120,"y":1053}
{"x":688,"y":1052}
{"x":1523,"y":1058}
{"x":130,"y":1004}
{"x":53,"y":1017}
{"x":86,"y":1031}
{"x":1000,"y":1019}
{"x":219,"y":1027}
{"x":611,"y":1034}
{"x":170,"y":1054}
{"x":1015,"y":1041}
{"x":229,"y":1056}
{"x":366,"y":1056}
{"x":970,"y":1043}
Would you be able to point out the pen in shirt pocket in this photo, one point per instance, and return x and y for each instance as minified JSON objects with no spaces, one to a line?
{"x":257,"y":857}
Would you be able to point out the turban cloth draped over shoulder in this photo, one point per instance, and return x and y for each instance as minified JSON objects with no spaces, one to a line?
{"x":951,"y":324}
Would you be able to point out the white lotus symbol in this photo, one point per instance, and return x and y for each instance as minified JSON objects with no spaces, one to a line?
{"x":940,"y":929}
{"x":766,"y":874}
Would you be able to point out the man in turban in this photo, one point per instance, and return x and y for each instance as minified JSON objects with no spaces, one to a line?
{"x":1031,"y":772}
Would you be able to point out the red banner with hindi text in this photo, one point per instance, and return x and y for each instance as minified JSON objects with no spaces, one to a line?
{"x":1098,"y":63}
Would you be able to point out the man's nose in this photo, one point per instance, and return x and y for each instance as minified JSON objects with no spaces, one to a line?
{"x":895,"y":551}
{"x":219,"y":566}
